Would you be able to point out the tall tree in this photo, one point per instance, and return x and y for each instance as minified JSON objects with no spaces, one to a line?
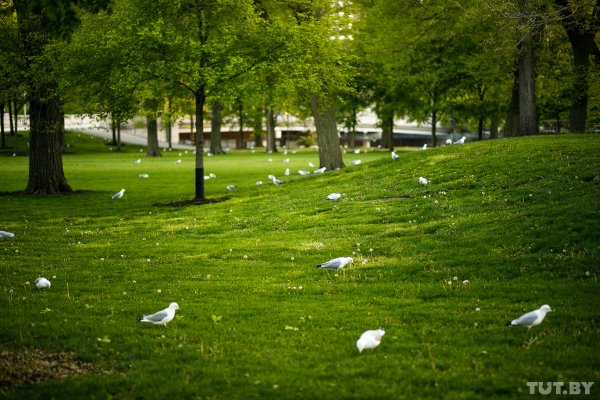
{"x":40,"y":23}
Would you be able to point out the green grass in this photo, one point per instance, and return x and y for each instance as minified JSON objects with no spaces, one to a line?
{"x":518,"y":218}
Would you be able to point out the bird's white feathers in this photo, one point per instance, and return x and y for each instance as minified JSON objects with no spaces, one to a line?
{"x":336,"y":263}
{"x":42,"y":283}
{"x":423,"y":181}
{"x":395,"y":156}
{"x":531,"y":318}
{"x":333,"y":196}
{"x":370,"y":339}
{"x":5,"y":234}
{"x":162,"y":317}
{"x":119,"y":194}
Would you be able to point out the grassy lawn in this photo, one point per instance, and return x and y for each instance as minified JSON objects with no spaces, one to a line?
{"x":504,"y":227}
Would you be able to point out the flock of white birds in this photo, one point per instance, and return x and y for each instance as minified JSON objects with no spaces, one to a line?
{"x":369,"y":339}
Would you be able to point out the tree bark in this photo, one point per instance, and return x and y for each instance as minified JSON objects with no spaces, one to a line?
{"x":46,"y":175}
{"x":258,"y":128}
{"x":2,"y":125}
{"x":153,"y":148}
{"x":434,"y":127}
{"x":200,"y":97}
{"x":528,"y":124}
{"x":271,"y":144}
{"x":494,"y":126}
{"x":215,"y":129}
{"x":512,"y":113}
{"x":330,"y":152}
{"x":387,"y":128}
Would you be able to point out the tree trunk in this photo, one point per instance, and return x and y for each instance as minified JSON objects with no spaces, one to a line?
{"x":153,"y":148}
{"x":512,"y":114}
{"x":271,"y":144}
{"x":46,"y":174}
{"x":480,"y":127}
{"x":169,"y":125}
{"x":258,"y":128}
{"x":200,"y":97}
{"x":494,"y":126}
{"x":330,"y":152}
{"x":581,"y":44}
{"x":241,"y":123}
{"x":2,"y":125}
{"x":215,"y":129}
{"x":10,"y":118}
{"x":528,"y":124}
{"x":434,"y":128}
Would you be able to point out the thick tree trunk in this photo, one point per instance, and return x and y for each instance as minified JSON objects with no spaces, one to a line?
{"x":494,"y":126}
{"x":153,"y":148}
{"x":215,"y":129}
{"x":200,"y":97}
{"x":480,"y":127}
{"x":581,"y":44}
{"x":387,"y":129}
{"x":330,"y":153}
{"x":46,"y":174}
{"x":528,"y":124}
{"x":271,"y":144}
{"x":258,"y":129}
{"x":512,"y":114}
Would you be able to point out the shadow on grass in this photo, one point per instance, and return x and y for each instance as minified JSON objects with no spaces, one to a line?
{"x":192,"y":202}
{"x":22,"y":193}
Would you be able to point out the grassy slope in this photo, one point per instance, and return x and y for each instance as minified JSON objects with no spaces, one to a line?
{"x":516,"y":218}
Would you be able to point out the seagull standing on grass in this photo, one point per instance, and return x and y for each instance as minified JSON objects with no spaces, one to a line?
{"x":333,"y":196}
{"x":301,"y":172}
{"x":4,"y":234}
{"x":320,"y":170}
{"x":354,"y":162}
{"x":231,"y":187}
{"x":162,"y":317}
{"x":448,"y":141}
{"x":336,"y":263}
{"x":277,"y":181}
{"x":424,"y":147}
{"x":461,"y":140}
{"x":370,"y":339}
{"x":138,"y":161}
{"x":532,"y":318}
{"x":42,"y":283}
{"x":423,"y":181}
{"x":395,"y":156}
{"x":119,"y":194}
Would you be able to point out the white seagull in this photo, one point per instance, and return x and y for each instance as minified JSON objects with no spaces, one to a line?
{"x":231,"y":187}
{"x":271,"y":177}
{"x":370,"y":339}
{"x":532,"y":318}
{"x":138,"y":161}
{"x":162,"y":317}
{"x":311,"y":165}
{"x":461,"y":140}
{"x":448,"y":141}
{"x":42,"y":283}
{"x":355,"y":162}
{"x":424,"y":147}
{"x":320,"y":170}
{"x":333,"y":196}
{"x":4,"y":234}
{"x":143,"y":176}
{"x":178,"y":162}
{"x":336,"y":263}
{"x":258,"y":183}
{"x":119,"y":194}
{"x":206,"y":177}
{"x":395,"y":156}
{"x":277,"y":181}
{"x":301,"y":172}
{"x":287,"y":172}
{"x":212,"y":176}
{"x":423,"y":181}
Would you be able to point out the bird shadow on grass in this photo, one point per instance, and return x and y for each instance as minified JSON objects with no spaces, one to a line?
{"x":192,"y":202}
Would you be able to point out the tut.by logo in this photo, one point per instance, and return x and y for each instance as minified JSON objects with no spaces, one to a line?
{"x":545,"y":388}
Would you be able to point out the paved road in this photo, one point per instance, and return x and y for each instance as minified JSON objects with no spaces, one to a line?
{"x":130,"y":139}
